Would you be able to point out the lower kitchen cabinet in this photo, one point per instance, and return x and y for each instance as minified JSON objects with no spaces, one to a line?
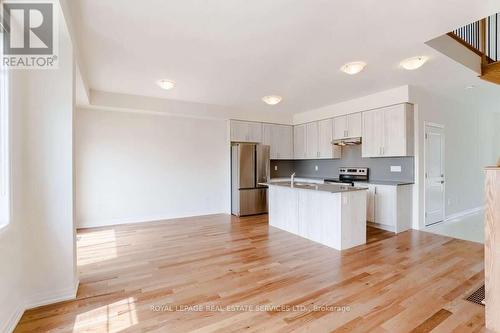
{"x":389,"y":207}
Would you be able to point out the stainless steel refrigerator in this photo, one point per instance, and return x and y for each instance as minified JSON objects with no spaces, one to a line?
{"x":249,"y":167}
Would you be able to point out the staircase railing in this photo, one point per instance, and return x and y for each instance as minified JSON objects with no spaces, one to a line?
{"x":482,"y":37}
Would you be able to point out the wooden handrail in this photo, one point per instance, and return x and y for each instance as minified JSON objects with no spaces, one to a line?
{"x":481,"y":37}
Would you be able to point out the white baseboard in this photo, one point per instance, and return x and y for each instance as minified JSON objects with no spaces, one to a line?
{"x":464,"y":213}
{"x":133,"y":220}
{"x":10,"y":323}
{"x":52,"y":297}
{"x":38,"y":300}
{"x":381,"y":226}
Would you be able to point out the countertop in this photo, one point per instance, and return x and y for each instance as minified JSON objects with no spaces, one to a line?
{"x":386,"y":182}
{"x":321,"y":181}
{"x":332,"y":188}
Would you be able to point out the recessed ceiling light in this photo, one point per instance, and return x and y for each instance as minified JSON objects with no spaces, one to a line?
{"x":470,"y":87}
{"x":272,"y":99}
{"x":166,"y":84}
{"x":354,"y":67}
{"x":414,"y":62}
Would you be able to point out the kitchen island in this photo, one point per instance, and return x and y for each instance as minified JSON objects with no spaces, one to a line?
{"x":330,"y":214}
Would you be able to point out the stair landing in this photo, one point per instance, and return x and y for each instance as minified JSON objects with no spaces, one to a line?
{"x":491,"y":72}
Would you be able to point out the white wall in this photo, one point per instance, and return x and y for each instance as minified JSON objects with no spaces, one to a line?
{"x":133,"y":103}
{"x":381,"y":99}
{"x":471,"y":143}
{"x":138,"y":167}
{"x":37,"y":248}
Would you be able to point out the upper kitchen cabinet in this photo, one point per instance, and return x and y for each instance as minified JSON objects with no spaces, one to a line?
{"x":299,"y":142}
{"x":312,"y":151}
{"x":314,"y":141}
{"x":246,"y":131}
{"x":348,"y":126}
{"x":280,"y":138}
{"x":325,"y":138}
{"x":388,"y":132}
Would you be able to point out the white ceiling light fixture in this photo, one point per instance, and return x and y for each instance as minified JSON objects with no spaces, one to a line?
{"x":414,"y":62}
{"x":272,"y":99}
{"x":470,"y":87}
{"x":354,"y":67}
{"x":166,"y":84}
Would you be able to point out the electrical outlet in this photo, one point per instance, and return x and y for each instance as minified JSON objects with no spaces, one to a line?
{"x":275,"y":168}
{"x":316,"y":167}
{"x":395,"y":168}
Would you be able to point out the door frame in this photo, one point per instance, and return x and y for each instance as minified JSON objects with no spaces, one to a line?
{"x":440,"y":126}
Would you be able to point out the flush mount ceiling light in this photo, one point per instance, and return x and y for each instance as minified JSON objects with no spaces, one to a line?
{"x":166,"y":84}
{"x":354,"y":67}
{"x":272,"y":99}
{"x":414,"y":62}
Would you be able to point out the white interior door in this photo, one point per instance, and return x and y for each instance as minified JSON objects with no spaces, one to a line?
{"x":434,"y":174}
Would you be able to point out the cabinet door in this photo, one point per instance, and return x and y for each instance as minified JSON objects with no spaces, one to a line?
{"x":299,"y":141}
{"x":373,"y":133}
{"x":239,"y":131}
{"x":325,"y":137}
{"x":385,"y":205}
{"x":339,"y":128}
{"x":370,"y":203}
{"x":394,"y":131}
{"x":370,"y":200}
{"x":268,"y":133}
{"x":254,"y":132}
{"x":312,"y":140}
{"x":354,"y":125}
{"x":285,"y":142}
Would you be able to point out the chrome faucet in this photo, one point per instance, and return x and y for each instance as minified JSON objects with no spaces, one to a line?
{"x":292,"y":179}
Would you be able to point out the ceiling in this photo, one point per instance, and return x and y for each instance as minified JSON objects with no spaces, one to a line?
{"x":233,"y":52}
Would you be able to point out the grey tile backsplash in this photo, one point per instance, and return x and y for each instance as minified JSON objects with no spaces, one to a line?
{"x":380,"y":168}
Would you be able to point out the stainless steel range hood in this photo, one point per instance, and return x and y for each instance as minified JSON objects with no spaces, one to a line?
{"x":347,"y":142}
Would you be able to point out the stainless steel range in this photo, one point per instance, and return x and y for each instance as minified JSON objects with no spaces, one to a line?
{"x":350,"y":175}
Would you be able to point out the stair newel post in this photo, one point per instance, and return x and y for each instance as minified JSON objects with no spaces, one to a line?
{"x":484,"y":59}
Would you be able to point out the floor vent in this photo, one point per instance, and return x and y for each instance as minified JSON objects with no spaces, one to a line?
{"x":477,"y":296}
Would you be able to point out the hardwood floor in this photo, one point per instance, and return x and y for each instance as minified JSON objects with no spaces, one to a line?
{"x":144,"y":278}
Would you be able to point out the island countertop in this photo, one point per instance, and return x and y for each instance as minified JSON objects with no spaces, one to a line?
{"x":332,"y":188}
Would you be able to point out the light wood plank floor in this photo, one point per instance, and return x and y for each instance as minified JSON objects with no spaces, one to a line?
{"x":242,"y":275}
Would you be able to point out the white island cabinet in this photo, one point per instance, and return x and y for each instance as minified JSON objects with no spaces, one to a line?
{"x":325,"y":213}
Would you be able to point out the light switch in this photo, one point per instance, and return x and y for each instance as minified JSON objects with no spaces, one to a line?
{"x":316,"y":167}
{"x":275,"y":168}
{"x":395,"y":168}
